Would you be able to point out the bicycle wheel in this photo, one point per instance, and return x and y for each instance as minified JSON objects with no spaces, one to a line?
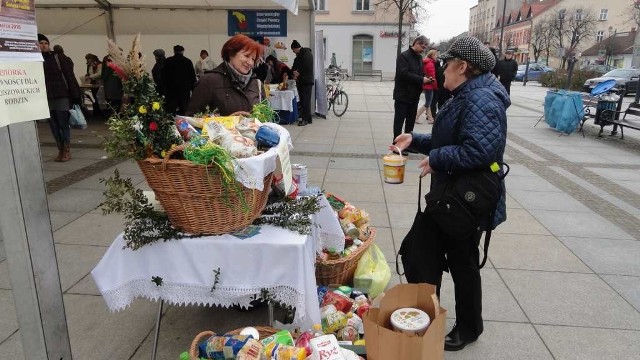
{"x":340,"y":103}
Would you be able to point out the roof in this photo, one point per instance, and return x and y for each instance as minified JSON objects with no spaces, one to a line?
{"x":533,"y":9}
{"x":620,"y":43}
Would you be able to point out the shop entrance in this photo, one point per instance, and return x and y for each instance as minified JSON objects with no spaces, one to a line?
{"x":362,"y":58}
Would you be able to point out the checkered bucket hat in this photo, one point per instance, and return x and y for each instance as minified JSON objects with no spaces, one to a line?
{"x":472,"y":50}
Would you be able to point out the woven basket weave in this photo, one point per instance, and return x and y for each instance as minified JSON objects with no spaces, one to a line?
{"x":340,"y":271}
{"x":193,"y":196}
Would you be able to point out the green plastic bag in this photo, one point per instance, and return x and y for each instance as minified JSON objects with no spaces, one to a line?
{"x":373,"y":273}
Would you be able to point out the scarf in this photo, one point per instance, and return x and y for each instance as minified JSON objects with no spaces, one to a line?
{"x":241,"y":78}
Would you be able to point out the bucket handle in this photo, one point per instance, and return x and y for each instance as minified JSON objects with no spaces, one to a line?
{"x":397,"y":148}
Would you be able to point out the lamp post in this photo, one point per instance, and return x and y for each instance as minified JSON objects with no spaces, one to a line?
{"x":504,"y":10}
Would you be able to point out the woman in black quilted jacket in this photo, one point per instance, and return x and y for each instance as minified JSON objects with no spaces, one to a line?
{"x":469,"y":135}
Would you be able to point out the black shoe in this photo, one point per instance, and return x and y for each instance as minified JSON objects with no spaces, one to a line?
{"x":454,"y":341}
{"x":301,"y":123}
{"x":613,"y":133}
{"x":310,"y":122}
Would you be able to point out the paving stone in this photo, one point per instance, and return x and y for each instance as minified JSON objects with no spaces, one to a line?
{"x":355,"y":192}
{"x":76,"y":261}
{"x":8,"y":317}
{"x":567,"y":342}
{"x":538,"y":200}
{"x":604,"y":256}
{"x":81,"y":200}
{"x":5,"y":281}
{"x":62,"y":218}
{"x":353,"y":164}
{"x":320,"y":140}
{"x":377,"y":212}
{"x":520,"y":221}
{"x":353,"y":176}
{"x":627,"y":286}
{"x":523,"y":343}
{"x":11,"y":348}
{"x":529,"y":183}
{"x":577,"y":224}
{"x":310,"y":161}
{"x":570,"y":299}
{"x":104,"y":229}
{"x":535,"y":252}
{"x":384,"y":240}
{"x":86,"y":286}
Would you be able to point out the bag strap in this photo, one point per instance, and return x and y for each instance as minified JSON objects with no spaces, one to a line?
{"x":487,"y":233}
{"x":61,"y":72}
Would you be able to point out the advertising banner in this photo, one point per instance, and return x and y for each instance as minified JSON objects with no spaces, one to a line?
{"x":257,"y":23}
{"x":18,"y":31}
{"x":23,"y":95}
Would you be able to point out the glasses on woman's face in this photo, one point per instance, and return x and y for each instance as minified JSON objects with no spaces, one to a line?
{"x":450,"y":61}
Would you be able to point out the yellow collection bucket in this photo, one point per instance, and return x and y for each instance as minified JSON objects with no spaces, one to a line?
{"x":394,"y":167}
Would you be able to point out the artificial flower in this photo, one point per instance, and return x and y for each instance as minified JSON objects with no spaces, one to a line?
{"x":155,"y":106}
{"x":153,"y":126}
{"x":142,"y":109}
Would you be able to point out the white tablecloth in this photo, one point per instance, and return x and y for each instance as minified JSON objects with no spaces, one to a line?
{"x":276,"y":259}
{"x":282,"y":100}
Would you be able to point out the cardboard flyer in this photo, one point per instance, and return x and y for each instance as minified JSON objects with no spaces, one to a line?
{"x":23,"y":94}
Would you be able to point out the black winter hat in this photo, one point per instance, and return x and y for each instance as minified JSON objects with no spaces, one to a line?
{"x":42,"y":37}
{"x":470,"y":49}
{"x":295,"y":44}
{"x":178,"y":48}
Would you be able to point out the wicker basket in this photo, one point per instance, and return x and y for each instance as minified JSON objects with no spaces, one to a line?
{"x":264,"y":332}
{"x":340,"y":271}
{"x":194,"y":197}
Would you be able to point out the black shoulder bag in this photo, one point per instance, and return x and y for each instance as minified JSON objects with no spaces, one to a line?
{"x":421,"y":252}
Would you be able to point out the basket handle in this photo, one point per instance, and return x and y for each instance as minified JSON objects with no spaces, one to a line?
{"x":241,"y":113}
{"x":193,"y":350}
{"x":170,"y":152}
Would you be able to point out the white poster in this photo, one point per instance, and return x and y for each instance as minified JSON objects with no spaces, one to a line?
{"x":18,"y":31}
{"x":23,"y":94}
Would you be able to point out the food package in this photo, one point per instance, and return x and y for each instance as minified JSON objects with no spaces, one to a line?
{"x":186,"y":130}
{"x":340,"y":301}
{"x":325,"y":347}
{"x":348,"y":212}
{"x":333,"y":322}
{"x":373,"y":272}
{"x":248,"y":127}
{"x":226,"y":346}
{"x":237,"y":145}
{"x":267,"y":136}
{"x":286,"y":352}
{"x":282,"y":337}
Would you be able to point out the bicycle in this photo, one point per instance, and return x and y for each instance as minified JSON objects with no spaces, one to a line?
{"x":336,"y":97}
{"x":337,"y":72}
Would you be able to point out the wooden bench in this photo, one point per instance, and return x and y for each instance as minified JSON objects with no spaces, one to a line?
{"x":630,"y":118}
{"x":368,"y":73}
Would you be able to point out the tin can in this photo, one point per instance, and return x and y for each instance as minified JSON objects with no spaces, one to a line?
{"x":300,"y":176}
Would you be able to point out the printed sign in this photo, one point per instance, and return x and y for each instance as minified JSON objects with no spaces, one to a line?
{"x":23,"y":94}
{"x":257,"y":23}
{"x":18,"y":31}
{"x":367,"y":54}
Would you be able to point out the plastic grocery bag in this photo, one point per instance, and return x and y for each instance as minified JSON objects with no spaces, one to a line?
{"x":373,"y":273}
{"x":77,"y":119}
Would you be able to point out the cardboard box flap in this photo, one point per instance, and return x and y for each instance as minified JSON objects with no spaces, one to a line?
{"x":421,"y":296}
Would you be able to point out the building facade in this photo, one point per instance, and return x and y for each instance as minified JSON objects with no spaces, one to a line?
{"x":363,"y":37}
{"x":482,"y":19}
{"x":611,"y":17}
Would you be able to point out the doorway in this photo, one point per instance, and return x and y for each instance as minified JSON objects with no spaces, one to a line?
{"x":362,"y":58}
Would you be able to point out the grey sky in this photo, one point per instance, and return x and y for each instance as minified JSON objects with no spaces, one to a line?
{"x":446,"y":18}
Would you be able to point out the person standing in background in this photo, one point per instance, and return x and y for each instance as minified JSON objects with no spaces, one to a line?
{"x":430,"y":87}
{"x":62,"y":91}
{"x":157,"y":70}
{"x":179,"y":77}
{"x":303,"y":74}
{"x":408,"y":86}
{"x":93,"y":76}
{"x":204,"y":63}
{"x":112,"y":86}
{"x":507,"y":69}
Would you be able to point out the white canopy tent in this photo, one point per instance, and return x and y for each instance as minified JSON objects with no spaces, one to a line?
{"x":83,"y":26}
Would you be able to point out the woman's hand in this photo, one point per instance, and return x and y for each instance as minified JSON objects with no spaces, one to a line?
{"x":426,"y":168}
{"x":402,"y":141}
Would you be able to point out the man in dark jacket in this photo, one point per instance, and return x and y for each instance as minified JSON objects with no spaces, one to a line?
{"x":408,"y":86}
{"x":179,"y":78}
{"x":507,"y":69}
{"x":62,"y":91}
{"x":303,"y":73}
{"x":157,"y":70}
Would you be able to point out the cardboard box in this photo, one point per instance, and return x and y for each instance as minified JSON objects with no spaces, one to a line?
{"x":383,"y":343}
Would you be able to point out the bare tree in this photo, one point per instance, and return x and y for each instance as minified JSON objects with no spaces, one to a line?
{"x":571,"y":27}
{"x":541,"y":36}
{"x":406,"y":9}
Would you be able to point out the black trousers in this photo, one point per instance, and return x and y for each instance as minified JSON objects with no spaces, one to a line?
{"x":304,"y":90}
{"x":463,"y":262}
{"x":507,"y":85}
{"x":404,"y":114}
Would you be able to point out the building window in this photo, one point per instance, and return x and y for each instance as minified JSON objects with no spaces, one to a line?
{"x":321,"y":5}
{"x":362,"y":5}
{"x":561,"y":14}
{"x":493,"y":11}
{"x":578,"y":16}
{"x":603,"y":14}
{"x":599,"y":35}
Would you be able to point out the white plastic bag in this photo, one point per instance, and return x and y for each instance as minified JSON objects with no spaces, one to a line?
{"x":77,"y":119}
{"x":373,"y":273}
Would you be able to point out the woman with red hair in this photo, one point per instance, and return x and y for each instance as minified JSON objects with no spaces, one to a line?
{"x":232,"y":86}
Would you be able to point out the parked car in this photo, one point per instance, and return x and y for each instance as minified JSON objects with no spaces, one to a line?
{"x":535,"y":70}
{"x":626,"y":80}
{"x":600,"y":69}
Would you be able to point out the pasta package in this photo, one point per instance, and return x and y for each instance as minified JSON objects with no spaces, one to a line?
{"x":237,"y":145}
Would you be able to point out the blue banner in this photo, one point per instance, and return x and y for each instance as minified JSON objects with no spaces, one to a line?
{"x":257,"y":23}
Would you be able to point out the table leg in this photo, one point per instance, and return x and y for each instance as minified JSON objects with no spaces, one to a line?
{"x":157,"y":331}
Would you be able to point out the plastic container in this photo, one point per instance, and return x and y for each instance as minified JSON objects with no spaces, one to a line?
{"x":394,"y":167}
{"x":410,"y":321}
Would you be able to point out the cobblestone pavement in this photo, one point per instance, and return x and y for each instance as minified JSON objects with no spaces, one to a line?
{"x":563,"y":276}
